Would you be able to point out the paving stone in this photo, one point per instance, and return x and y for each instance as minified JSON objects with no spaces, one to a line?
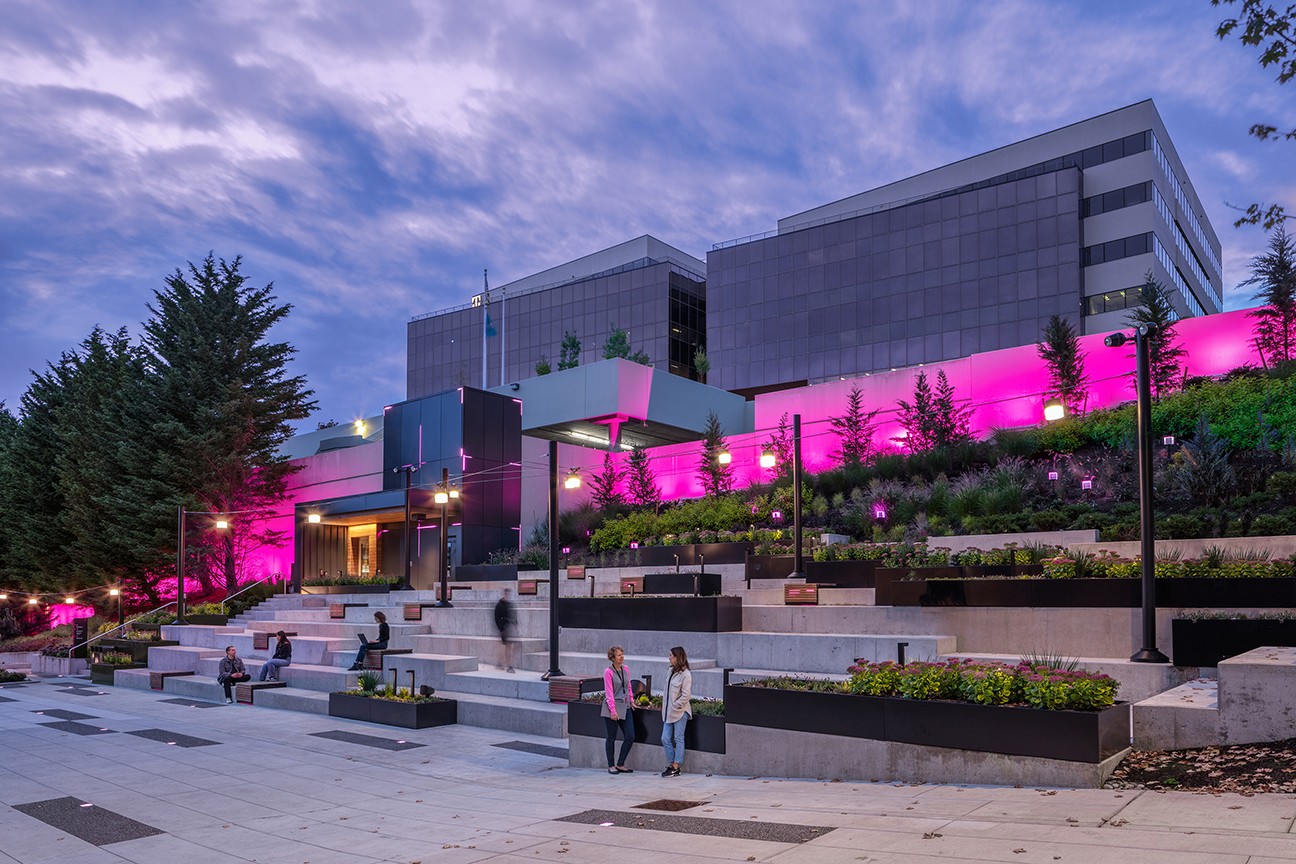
{"x":192,"y":703}
{"x":61,"y":714}
{"x":77,"y":728}
{"x":774,"y":832}
{"x":538,"y":749}
{"x":175,"y":738}
{"x":366,"y":740}
{"x":88,"y":822}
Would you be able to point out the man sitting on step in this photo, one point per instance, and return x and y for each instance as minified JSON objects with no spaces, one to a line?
{"x":231,"y":672}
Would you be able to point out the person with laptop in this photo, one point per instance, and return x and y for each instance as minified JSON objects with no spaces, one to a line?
{"x":379,"y":644}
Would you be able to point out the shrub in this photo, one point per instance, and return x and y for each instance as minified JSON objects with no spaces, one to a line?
{"x":8,"y":677}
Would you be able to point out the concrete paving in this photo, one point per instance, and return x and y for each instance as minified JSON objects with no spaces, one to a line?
{"x":270,"y":790}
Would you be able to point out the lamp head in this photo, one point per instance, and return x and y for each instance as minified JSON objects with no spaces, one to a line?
{"x":313,"y":518}
{"x":441,"y":496}
{"x":1115,"y":340}
{"x":724,"y":457}
{"x":1054,"y":409}
{"x":222,"y":524}
{"x":768,"y":460}
{"x":573,"y":481}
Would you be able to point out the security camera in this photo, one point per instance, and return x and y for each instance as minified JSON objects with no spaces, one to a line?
{"x":1115,"y":340}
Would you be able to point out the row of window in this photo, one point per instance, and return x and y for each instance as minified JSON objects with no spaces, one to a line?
{"x":1182,"y":197}
{"x":1176,"y":276}
{"x":1139,"y":193}
{"x":1113,"y":301}
{"x":1114,"y":250}
{"x":1194,"y":263}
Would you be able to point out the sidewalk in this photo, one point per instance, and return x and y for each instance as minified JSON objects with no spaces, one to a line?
{"x":232,"y":783}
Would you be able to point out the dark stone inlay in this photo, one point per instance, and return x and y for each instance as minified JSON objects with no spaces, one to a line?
{"x":76,"y":728}
{"x":82,"y":691}
{"x":670,"y":805}
{"x":93,"y":824}
{"x":537,"y":749}
{"x":7,"y":699}
{"x":774,"y":832}
{"x":366,"y":740}
{"x":192,"y":703}
{"x":63,"y":714}
{"x":172,"y":738}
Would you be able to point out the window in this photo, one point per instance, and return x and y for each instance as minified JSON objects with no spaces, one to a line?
{"x":1139,"y":193}
{"x":1114,"y":250}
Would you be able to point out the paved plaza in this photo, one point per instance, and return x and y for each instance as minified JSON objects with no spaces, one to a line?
{"x":91,"y":774}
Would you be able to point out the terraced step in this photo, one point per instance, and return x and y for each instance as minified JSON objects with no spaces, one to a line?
{"x":1181,"y":718}
{"x":305,"y":676}
{"x":180,"y":658}
{"x":489,"y":681}
{"x":315,"y":650}
{"x":548,"y":719}
{"x":488,"y":649}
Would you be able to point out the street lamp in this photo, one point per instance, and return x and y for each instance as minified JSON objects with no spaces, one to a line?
{"x":121,"y":608}
{"x":1148,"y":653}
{"x":798,"y":564}
{"x":1054,"y":410}
{"x":768,"y":459}
{"x":181,"y":552}
{"x":442,"y":496}
{"x":407,"y":545}
{"x":572,"y":482}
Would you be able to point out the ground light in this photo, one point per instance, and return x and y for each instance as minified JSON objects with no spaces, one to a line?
{"x":1054,"y":410}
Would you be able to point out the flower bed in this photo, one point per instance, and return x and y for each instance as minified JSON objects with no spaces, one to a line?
{"x":407,"y":712}
{"x":984,"y":707}
{"x":346,"y":589}
{"x":8,"y":677}
{"x":105,"y":665}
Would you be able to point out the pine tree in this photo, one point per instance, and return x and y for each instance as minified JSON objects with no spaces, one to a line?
{"x":569,"y":355}
{"x":618,"y":345}
{"x":855,"y":428}
{"x":1274,"y":274}
{"x":701,"y":363}
{"x":542,"y":366}
{"x":916,"y":416}
{"x":224,"y":402}
{"x":717,"y":479}
{"x":1164,"y":354}
{"x":780,"y":444}
{"x":605,"y":489}
{"x":952,"y":422}
{"x":1060,"y":350}
{"x":640,"y":480}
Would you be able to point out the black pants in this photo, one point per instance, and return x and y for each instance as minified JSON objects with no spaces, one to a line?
{"x":229,"y":683}
{"x":626,"y":725}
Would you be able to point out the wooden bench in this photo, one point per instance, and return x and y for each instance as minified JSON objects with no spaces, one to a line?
{"x":338,"y":610}
{"x":576,"y":571}
{"x":530,"y":587}
{"x":632,"y":585}
{"x":158,"y":679}
{"x":374,"y":659}
{"x":570,"y":688}
{"x":802,"y":595}
{"x":451,"y":589}
{"x":244,"y":690}
{"x":261,"y":639}
{"x":414,"y":611}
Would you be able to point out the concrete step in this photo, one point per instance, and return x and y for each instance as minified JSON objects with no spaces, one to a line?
{"x":304,"y":676}
{"x":181,"y":658}
{"x":1184,"y":717}
{"x":293,"y":699}
{"x":194,"y":687}
{"x":489,"y":681}
{"x":430,"y":669}
{"x":510,"y":715}
{"x":341,"y":629}
{"x":132,"y":679}
{"x":592,"y":665}
{"x":306,"y":649}
{"x":200,"y":635}
{"x":489,"y":649}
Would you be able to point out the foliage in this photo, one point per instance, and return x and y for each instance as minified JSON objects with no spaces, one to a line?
{"x":348,"y":579}
{"x":780,"y":444}
{"x":1060,"y":350}
{"x":9,"y":677}
{"x":206,"y":609}
{"x":697,"y":707}
{"x":1274,"y":275}
{"x":618,"y":345}
{"x":1274,"y":33}
{"x":1164,"y":355}
{"x":370,"y":680}
{"x":641,"y":482}
{"x":915,"y":416}
{"x":855,"y":428}
{"x":986,"y":684}
{"x":717,"y":479}
{"x":934,"y":419}
{"x":605,"y":489}
{"x":542,"y":366}
{"x":702,"y":364}
{"x":569,"y":355}
{"x":1202,"y":472}
{"x":114,"y":658}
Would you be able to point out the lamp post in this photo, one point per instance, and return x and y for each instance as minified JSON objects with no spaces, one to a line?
{"x":121,"y":606}
{"x":407,"y":545}
{"x":182,"y":526}
{"x":798,"y":564}
{"x":442,"y":497}
{"x":572,"y":482}
{"x":1147,"y":528}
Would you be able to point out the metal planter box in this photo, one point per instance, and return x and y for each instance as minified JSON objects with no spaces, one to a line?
{"x":686,"y":614}
{"x":1207,"y":642}
{"x":407,"y":715}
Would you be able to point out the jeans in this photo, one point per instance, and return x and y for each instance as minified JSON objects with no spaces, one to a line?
{"x":369,"y":646}
{"x":626,"y":725}
{"x":673,"y":739}
{"x":229,"y":683}
{"x":270,"y":671}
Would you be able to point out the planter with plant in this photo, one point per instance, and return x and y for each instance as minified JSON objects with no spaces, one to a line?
{"x":106,"y":663}
{"x":207,"y":614}
{"x":8,"y":676}
{"x":374,"y":701}
{"x":347,"y":583}
{"x":1020,"y":710}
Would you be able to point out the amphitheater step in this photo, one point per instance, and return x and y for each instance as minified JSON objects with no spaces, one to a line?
{"x":181,"y":658}
{"x":1181,"y":718}
{"x":510,"y":715}
{"x":489,"y":681}
{"x":294,"y":699}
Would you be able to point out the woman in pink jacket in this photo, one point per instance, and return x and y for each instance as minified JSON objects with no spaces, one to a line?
{"x":617,"y":712}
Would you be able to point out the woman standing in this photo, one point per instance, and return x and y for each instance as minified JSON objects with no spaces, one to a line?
{"x":282,"y":657}
{"x":675,"y":710}
{"x":617,"y":712}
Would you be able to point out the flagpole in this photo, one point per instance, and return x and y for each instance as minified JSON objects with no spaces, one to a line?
{"x":485,"y":325}
{"x":502,"y":337}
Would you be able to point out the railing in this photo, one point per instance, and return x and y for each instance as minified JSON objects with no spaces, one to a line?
{"x":247,"y":588}
{"x":124,"y":624}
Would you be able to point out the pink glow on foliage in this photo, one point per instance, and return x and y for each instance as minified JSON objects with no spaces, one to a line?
{"x":64,"y":613}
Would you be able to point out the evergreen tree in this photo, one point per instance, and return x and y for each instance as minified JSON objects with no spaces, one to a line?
{"x":1164,"y":354}
{"x":569,"y":355}
{"x":1060,"y":351}
{"x":702,"y":364}
{"x":618,"y":345}
{"x":951,"y":422}
{"x":1274,"y":274}
{"x":780,"y":444}
{"x":605,"y":489}
{"x":542,"y":366}
{"x":716,"y":479}
{"x":855,"y":428}
{"x":223,"y":402}
{"x":9,"y":430}
{"x":640,"y":479}
{"x":916,"y":416}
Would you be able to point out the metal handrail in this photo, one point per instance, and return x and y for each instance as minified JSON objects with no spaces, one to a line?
{"x":120,"y":626}
{"x":249,"y":587}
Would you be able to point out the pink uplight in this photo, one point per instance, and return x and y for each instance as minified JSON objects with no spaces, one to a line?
{"x":879,"y":512}
{"x":634,"y":544}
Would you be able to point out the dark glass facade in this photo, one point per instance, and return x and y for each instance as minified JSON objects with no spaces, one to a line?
{"x":662,"y":306}
{"x":967,"y":271}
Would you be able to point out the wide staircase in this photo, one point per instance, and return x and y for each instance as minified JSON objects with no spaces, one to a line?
{"x":458,"y":651}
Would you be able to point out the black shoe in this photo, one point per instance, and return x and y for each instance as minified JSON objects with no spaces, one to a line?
{"x":624,"y":770}
{"x":666,"y":772}
{"x":674,"y":772}
{"x":355,"y":667}
{"x":612,"y":770}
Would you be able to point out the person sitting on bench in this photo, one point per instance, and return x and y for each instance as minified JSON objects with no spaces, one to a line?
{"x":231,"y":672}
{"x":379,"y":644}
{"x":282,"y":657}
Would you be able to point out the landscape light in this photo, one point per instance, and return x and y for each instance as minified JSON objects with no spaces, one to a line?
{"x":724,"y":457}
{"x":1054,"y":410}
{"x":222,"y":524}
{"x":33,"y":601}
{"x":69,"y":600}
{"x":768,"y":460}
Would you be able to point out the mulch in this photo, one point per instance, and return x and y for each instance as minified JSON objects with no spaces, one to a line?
{"x":1243,"y":768}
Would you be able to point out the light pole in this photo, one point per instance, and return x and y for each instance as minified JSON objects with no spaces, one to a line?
{"x":1147,"y":527}
{"x":798,"y":565}
{"x":442,"y":497}
{"x":121,"y":606}
{"x":407,"y":545}
{"x":573,"y":482}
{"x":182,"y":526}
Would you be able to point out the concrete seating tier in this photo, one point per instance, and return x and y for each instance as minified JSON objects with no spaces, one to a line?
{"x":339,"y":629}
{"x":303,"y":675}
{"x":315,"y":650}
{"x":488,"y":649}
{"x":180,"y":658}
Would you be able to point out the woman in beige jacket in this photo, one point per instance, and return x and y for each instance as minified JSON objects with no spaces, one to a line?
{"x":676,"y":710}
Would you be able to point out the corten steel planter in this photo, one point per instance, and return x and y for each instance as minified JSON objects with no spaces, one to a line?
{"x":707,"y":584}
{"x":1207,"y":642}
{"x":346,"y":589}
{"x":686,"y":614}
{"x":407,"y":715}
{"x":701,"y":735}
{"x":842,"y":574}
{"x":1071,"y":736}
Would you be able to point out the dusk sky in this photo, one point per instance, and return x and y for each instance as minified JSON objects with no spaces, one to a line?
{"x":371,"y":159}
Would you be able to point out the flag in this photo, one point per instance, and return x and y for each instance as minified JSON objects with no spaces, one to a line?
{"x":489,"y":328}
